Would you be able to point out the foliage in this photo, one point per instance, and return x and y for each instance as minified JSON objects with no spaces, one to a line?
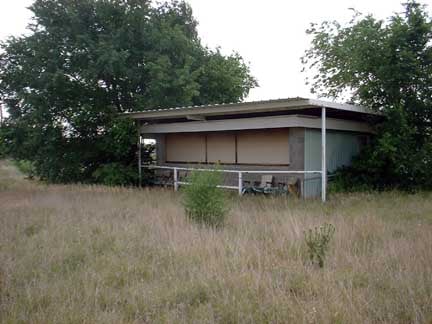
{"x":317,"y":242}
{"x":203,"y":201}
{"x":115,"y":174}
{"x":3,"y":147}
{"x":385,"y":65}
{"x":26,"y":167}
{"x":84,"y":62}
{"x":342,"y":181}
{"x":148,"y":156}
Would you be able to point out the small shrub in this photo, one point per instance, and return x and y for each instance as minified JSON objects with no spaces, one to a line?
{"x":203,"y":201}
{"x":31,"y":230}
{"x":26,"y":167}
{"x":317,"y":241}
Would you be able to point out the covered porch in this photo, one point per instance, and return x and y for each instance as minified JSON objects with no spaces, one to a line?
{"x":250,"y":140}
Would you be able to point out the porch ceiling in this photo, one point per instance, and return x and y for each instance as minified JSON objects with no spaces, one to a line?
{"x":255,"y":123}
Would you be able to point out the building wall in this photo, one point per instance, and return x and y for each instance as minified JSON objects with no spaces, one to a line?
{"x":294,"y":160}
{"x":273,"y":147}
{"x":341,"y":147}
{"x":160,"y":147}
{"x":304,"y":154}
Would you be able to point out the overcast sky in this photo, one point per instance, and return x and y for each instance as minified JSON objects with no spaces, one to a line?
{"x":269,"y":34}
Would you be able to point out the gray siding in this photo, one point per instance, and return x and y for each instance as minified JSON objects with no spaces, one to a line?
{"x":160,"y":148}
{"x":341,"y":148}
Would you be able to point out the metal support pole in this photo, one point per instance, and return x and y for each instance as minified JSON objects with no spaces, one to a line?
{"x":139,"y":159}
{"x":323,"y":155}
{"x":240,"y":183}
{"x":175,"y":179}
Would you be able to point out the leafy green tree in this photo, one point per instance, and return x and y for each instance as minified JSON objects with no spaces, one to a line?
{"x":386,"y":65}
{"x":84,"y":62}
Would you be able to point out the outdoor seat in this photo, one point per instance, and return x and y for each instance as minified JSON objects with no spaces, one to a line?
{"x":265,"y":186}
{"x":183,"y":174}
{"x":164,"y":178}
{"x":294,"y":187}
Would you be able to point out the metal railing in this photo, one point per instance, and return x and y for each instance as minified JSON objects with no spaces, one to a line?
{"x":240,"y":173}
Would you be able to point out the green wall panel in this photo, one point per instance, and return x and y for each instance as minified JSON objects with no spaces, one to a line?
{"x":341,"y":148}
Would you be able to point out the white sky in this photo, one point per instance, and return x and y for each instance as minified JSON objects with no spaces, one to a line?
{"x":269,"y":34}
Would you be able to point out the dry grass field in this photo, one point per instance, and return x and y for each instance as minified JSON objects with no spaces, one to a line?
{"x":87,"y":254}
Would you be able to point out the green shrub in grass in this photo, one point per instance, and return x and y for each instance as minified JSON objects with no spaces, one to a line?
{"x":26,"y":167}
{"x":317,"y":241}
{"x":203,"y":201}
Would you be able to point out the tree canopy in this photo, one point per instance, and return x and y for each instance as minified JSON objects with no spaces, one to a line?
{"x":385,"y":65}
{"x":84,"y":62}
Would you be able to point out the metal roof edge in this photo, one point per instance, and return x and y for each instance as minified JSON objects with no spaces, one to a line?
{"x":244,"y":107}
{"x":339,"y":106}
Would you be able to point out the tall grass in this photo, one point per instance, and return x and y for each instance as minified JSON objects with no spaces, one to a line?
{"x":86,"y":254}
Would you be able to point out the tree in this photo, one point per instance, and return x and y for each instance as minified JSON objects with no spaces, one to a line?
{"x":386,"y":65}
{"x":84,"y":62}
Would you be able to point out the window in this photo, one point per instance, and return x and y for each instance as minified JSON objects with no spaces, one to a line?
{"x":221,"y":148}
{"x":185,"y":147}
{"x":263,"y":147}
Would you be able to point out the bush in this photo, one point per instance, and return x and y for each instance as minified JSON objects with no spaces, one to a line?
{"x":26,"y":167}
{"x":345,"y":179}
{"x":203,"y":201}
{"x":317,"y":241}
{"x":116,"y":174}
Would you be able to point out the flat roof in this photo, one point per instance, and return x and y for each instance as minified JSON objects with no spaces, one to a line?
{"x":246,"y":107}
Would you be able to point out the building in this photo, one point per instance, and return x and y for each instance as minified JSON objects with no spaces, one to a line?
{"x":280,"y":137}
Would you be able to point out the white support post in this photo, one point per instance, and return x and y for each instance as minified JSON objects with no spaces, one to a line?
{"x":240,"y":183}
{"x":323,"y":155}
{"x":139,"y":160}
{"x":175,"y":179}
